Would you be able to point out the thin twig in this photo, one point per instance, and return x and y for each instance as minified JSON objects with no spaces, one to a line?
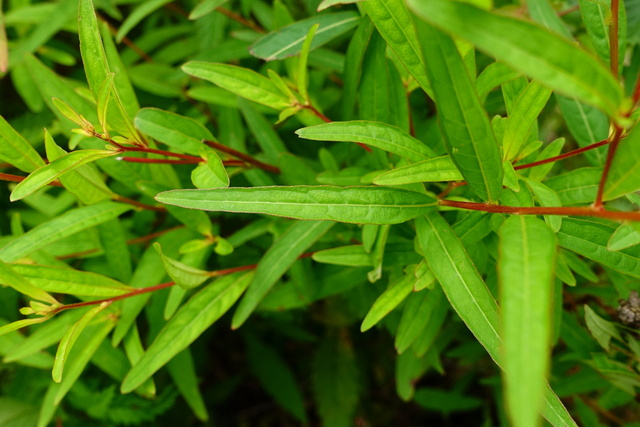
{"x":246,"y":157}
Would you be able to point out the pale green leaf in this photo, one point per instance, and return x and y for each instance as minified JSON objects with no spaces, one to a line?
{"x":288,"y":41}
{"x":184,"y":275}
{"x":138,"y":14}
{"x":624,"y":174}
{"x":625,"y":236}
{"x":211,"y":174}
{"x":375,"y":134}
{"x":342,"y":204}
{"x":205,"y":7}
{"x":241,"y":81}
{"x":19,"y":324}
{"x":278,"y":259}
{"x":16,"y":150}
{"x":44,"y":175}
{"x":353,"y":256}
{"x":549,"y":58}
{"x":388,"y":300}
{"x":527,"y":258}
{"x":303,"y":73}
{"x":193,"y":318}
{"x":179,"y":132}
{"x":601,"y":329}
{"x":432,"y":170}
{"x":11,"y":277}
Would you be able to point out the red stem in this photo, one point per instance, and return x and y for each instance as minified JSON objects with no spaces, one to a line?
{"x":613,"y":146}
{"x":326,"y":119}
{"x":521,"y":210}
{"x":158,"y":161}
{"x":18,"y":178}
{"x":194,"y":159}
{"x":563,"y":156}
{"x":247,"y":158}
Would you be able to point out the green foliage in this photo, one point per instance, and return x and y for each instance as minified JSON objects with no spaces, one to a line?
{"x":317,"y":201}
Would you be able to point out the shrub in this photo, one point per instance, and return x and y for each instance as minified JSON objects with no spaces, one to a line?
{"x":420,"y":182}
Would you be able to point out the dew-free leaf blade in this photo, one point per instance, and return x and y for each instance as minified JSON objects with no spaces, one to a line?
{"x":70,"y":338}
{"x":549,"y":58}
{"x":394,"y":23}
{"x":241,"y":81}
{"x":12,"y":278}
{"x":432,"y":170}
{"x":196,"y":315}
{"x":468,"y":134}
{"x":184,"y":275}
{"x":63,"y":164}
{"x":372,"y":205}
{"x":16,"y":150}
{"x":388,"y":300}
{"x":278,"y":259}
{"x":375,"y":134}
{"x":624,"y":174}
{"x":288,"y":40}
{"x":62,"y":226}
{"x":526,"y":265}
{"x":179,"y":132}
{"x":93,"y":54}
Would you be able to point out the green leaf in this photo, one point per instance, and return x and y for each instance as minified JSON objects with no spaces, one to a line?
{"x":432,"y":170}
{"x":212,"y":174}
{"x":353,"y":256}
{"x":547,"y":197}
{"x":468,"y":135}
{"x":624,"y":174}
{"x":179,"y":132}
{"x":278,"y":259}
{"x":526,"y":266}
{"x":205,"y":7}
{"x":538,"y":173}
{"x":19,"y":324}
{"x":601,"y":329}
{"x":183,"y":372}
{"x":193,"y":318}
{"x":11,"y":277}
{"x":522,"y":118}
{"x":596,"y":16}
{"x":375,"y":134}
{"x":16,"y":150}
{"x":424,"y":314}
{"x":470,"y":298}
{"x":576,"y":186}
{"x":624,"y":237}
{"x":494,"y":75}
{"x":589,"y":238}
{"x":342,"y":204}
{"x":138,"y":14}
{"x":303,"y":74}
{"x":394,"y":22}
{"x":62,"y":226}
{"x":241,"y":81}
{"x":69,"y":339}
{"x":388,"y":300}
{"x":544,"y":56}
{"x":93,"y":54}
{"x":276,"y":377}
{"x":543,"y":12}
{"x":184,"y":275}
{"x":73,"y":282}
{"x":288,"y":40}
{"x":353,"y":66}
{"x":587,"y":124}
{"x":44,"y":175}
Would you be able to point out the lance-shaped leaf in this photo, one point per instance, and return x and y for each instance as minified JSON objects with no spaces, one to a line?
{"x":184,"y":275}
{"x":596,"y":16}
{"x":470,"y":297}
{"x":364,"y":205}
{"x":241,"y":81}
{"x":19,"y":324}
{"x":10,"y":277}
{"x":62,"y":226}
{"x":587,"y":124}
{"x":63,"y":164}
{"x":288,"y":40}
{"x":547,"y":57}
{"x":624,"y":174}
{"x":468,"y":134}
{"x":526,"y":266}
{"x":193,"y":318}
{"x":388,"y":300}
{"x":278,"y":259}
{"x":432,"y":170}
{"x":394,"y":23}
{"x":70,"y":338}
{"x":353,"y":256}
{"x":589,"y":238}
{"x":375,"y":134}
{"x":179,"y":132}
{"x":16,"y":150}
{"x":73,"y":282}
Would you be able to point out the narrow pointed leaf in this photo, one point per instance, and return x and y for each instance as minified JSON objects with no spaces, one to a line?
{"x":624,"y":175}
{"x":278,"y":259}
{"x":44,"y":175}
{"x":395,"y":24}
{"x":12,"y":278}
{"x":375,"y":134}
{"x":19,"y":324}
{"x":547,"y":57}
{"x":288,"y":40}
{"x":16,"y":150}
{"x":342,"y":204}
{"x":432,"y":170}
{"x":184,"y":275}
{"x":388,"y":300}
{"x":624,"y":237}
{"x":62,"y":226}
{"x":138,"y":14}
{"x":526,"y":266}
{"x":70,"y":338}
{"x":241,"y":81}
{"x":193,"y":318}
{"x":179,"y":132}
{"x":93,"y":55}
{"x":470,"y":298}
{"x":468,"y":134}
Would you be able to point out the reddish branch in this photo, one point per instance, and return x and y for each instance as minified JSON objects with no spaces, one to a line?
{"x":613,"y":146}
{"x":239,"y":155}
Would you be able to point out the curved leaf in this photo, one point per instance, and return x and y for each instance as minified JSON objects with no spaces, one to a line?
{"x":432,"y":170}
{"x":388,"y":300}
{"x":16,"y":150}
{"x":624,"y":174}
{"x":179,"y":132}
